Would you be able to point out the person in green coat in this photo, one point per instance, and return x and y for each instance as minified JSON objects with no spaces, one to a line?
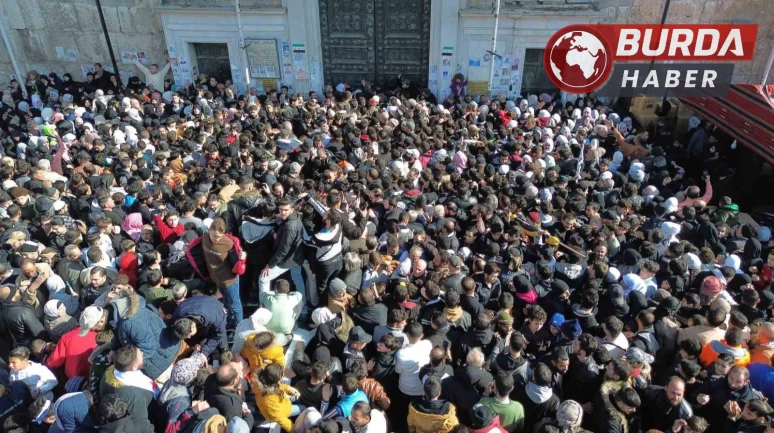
{"x":511,"y":412}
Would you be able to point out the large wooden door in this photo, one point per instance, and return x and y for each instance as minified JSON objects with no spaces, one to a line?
{"x":375,"y":40}
{"x":213,"y":60}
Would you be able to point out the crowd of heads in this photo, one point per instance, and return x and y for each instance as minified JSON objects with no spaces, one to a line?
{"x":371,"y":258}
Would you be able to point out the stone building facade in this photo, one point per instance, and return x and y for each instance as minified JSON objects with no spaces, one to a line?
{"x":308,"y":43}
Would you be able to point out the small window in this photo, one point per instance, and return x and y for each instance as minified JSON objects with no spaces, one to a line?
{"x":535,"y":80}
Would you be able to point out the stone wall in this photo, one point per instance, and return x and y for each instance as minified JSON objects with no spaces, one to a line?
{"x":226,"y":4}
{"x":37,"y":27}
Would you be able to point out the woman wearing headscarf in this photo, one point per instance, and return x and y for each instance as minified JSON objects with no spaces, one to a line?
{"x":252,"y":325}
{"x":133,"y":225}
{"x":752,"y":247}
{"x":72,"y":88}
{"x":56,"y":320}
{"x":176,"y":396}
{"x":568,"y":419}
{"x":709,"y":235}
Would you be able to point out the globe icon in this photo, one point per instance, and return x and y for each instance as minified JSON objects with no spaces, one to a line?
{"x":578,"y":59}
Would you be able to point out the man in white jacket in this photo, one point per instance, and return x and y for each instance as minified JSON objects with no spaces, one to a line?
{"x":154,"y":76}
{"x":410,"y":359}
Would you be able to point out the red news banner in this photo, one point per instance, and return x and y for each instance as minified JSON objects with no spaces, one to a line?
{"x":699,"y":42}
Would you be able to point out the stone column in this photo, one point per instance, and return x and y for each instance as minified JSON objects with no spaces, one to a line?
{"x":304,"y":28}
{"x":444,"y":23}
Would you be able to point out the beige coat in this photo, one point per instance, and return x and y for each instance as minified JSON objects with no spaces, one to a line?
{"x":703,"y":333}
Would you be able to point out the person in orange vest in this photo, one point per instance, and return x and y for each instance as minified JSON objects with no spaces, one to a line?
{"x":763,"y":352}
{"x":732,"y":343}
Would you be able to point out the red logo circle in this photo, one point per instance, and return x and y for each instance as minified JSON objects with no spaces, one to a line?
{"x":578,"y":59}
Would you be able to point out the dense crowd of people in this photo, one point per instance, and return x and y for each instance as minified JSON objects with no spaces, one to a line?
{"x":370,"y":260}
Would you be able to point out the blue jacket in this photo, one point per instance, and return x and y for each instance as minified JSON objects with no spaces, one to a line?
{"x":210,"y":320}
{"x":762,"y":379}
{"x":347,"y":402}
{"x":15,"y":400}
{"x":135,"y":323}
{"x":72,"y":414}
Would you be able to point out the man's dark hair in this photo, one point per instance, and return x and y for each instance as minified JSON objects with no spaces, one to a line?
{"x":738,"y":319}
{"x":504,"y":383}
{"x":588,"y":343}
{"x":481,"y":323}
{"x":349,"y":383}
{"x":168,"y":307}
{"x":691,"y":346}
{"x":621,"y":368}
{"x":359,"y":369}
{"x":414,"y":330}
{"x":432,"y":388}
{"x":734,"y":337}
{"x":589,"y":299}
{"x":542,"y":375}
{"x":614,"y":326}
{"x":646,"y":318}
{"x":183,"y":328}
{"x":125,"y":357}
{"x":284,"y":201}
{"x":319,"y":370}
{"x":629,"y":397}
{"x":559,"y":354}
{"x":362,"y":408}
{"x":517,"y":342}
{"x":759,"y":407}
{"x":716,"y":317}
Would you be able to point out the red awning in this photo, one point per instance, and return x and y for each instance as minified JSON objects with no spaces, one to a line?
{"x":747,"y":114}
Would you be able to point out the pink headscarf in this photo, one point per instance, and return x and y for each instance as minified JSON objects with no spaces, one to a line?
{"x":461,"y":161}
{"x":133,"y":225}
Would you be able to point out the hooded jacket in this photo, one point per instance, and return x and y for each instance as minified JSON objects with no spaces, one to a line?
{"x":519,"y":368}
{"x":240,"y":203}
{"x":135,"y":323}
{"x":258,"y":240}
{"x":483,"y":339}
{"x":713,"y":349}
{"x":252,"y":325}
{"x":258,"y":360}
{"x":608,"y":418}
{"x":72,"y":414}
{"x":274,"y":407}
{"x":431,"y":417}
{"x":645,"y":339}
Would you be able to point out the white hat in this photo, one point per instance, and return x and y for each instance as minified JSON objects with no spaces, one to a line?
{"x":693,"y":261}
{"x":58,"y":205}
{"x":89,"y":319}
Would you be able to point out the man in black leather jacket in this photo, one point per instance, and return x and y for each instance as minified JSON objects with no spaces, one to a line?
{"x":18,"y":323}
